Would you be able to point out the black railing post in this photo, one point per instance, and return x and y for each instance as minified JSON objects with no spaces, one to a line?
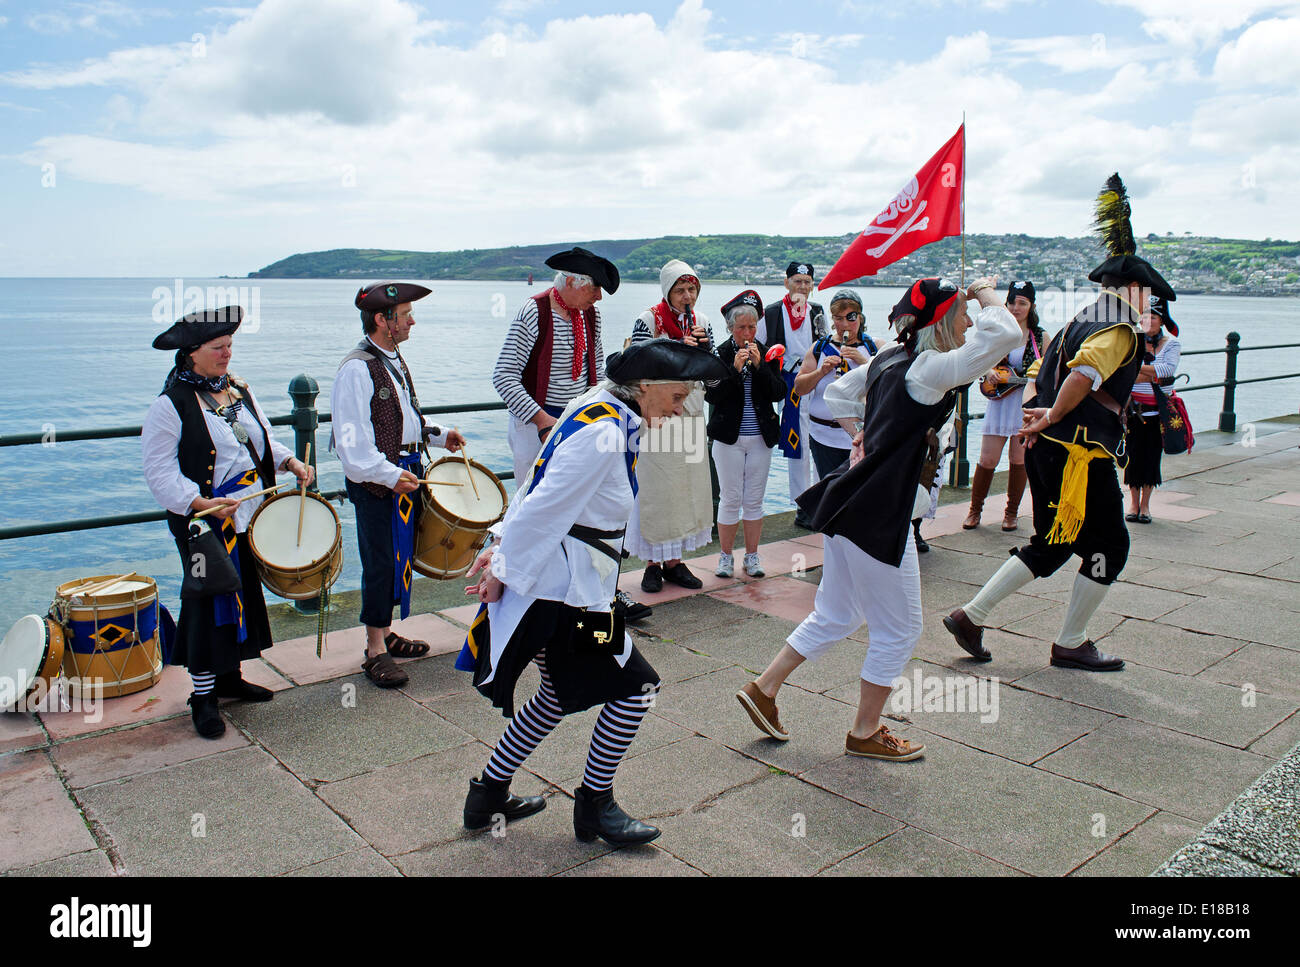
{"x":959,"y":476}
{"x":1227,"y":417}
{"x":303,"y":390}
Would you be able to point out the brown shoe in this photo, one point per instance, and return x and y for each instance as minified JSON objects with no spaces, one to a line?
{"x":762,"y":710}
{"x":1087,"y":657}
{"x":883,"y":744}
{"x":968,"y":634}
{"x":979,"y":489}
{"x":383,"y":671}
{"x":1016,"y":480}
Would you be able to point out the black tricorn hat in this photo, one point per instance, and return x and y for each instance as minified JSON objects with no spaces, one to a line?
{"x":926,"y":299}
{"x":1130,"y":268}
{"x":1018,"y":288}
{"x":200,"y":327}
{"x":602,"y":271}
{"x":747,"y":298}
{"x":385,"y":295}
{"x":1160,"y":308}
{"x":665,"y":359}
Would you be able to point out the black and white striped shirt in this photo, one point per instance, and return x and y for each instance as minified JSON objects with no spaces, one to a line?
{"x":507,"y":377}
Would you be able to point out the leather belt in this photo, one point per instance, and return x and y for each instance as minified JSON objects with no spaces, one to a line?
{"x":594,"y":537}
{"x":820,"y":422}
{"x":1106,"y":400}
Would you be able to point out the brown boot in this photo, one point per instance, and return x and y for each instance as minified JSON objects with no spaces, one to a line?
{"x":1015,"y":490}
{"x":979,"y":489}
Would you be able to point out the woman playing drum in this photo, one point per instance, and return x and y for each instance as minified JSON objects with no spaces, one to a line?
{"x":205,"y":441}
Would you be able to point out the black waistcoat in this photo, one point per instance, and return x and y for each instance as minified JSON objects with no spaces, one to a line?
{"x":871,"y":503}
{"x":197,"y":454}
{"x":1090,"y":422}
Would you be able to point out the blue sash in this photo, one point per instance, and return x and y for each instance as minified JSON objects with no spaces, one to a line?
{"x":404,"y":519}
{"x":113,"y":634}
{"x":790,"y":441}
{"x":476,"y":640}
{"x":229,"y":608}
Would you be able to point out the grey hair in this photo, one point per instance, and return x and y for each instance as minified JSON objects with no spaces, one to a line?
{"x":575,"y":279}
{"x":627,"y":392}
{"x":941,"y":336}
{"x":733,"y":316}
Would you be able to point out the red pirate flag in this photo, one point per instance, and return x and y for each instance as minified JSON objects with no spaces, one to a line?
{"x":926,"y":210}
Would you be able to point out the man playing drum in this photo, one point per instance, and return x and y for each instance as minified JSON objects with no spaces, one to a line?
{"x":378,"y":430}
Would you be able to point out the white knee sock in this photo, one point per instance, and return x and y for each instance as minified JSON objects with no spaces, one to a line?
{"x":1010,"y":577}
{"x":1084,"y":599}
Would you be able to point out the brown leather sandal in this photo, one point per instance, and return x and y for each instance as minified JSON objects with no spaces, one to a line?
{"x":400,"y":647}
{"x":383,"y":671}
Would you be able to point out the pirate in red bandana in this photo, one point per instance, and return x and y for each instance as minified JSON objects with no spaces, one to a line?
{"x":796,"y":324}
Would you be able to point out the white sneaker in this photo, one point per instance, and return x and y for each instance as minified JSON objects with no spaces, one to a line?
{"x":725,"y":568}
{"x":752,"y":566}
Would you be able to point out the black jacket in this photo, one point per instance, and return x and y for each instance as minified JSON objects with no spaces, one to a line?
{"x":728,"y":397}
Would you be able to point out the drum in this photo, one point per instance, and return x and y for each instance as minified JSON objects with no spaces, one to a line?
{"x":111,"y":634}
{"x":288,"y":567}
{"x":455,"y":520}
{"x":30,"y":656}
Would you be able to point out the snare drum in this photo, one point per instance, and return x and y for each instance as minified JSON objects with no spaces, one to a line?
{"x":111,"y":631}
{"x":298,"y":570}
{"x":455,"y":521}
{"x":30,"y":656}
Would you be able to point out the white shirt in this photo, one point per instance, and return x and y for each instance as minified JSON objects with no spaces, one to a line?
{"x":354,"y":434}
{"x":797,"y":341}
{"x":160,"y":441}
{"x":995,"y":334}
{"x":585,"y":483}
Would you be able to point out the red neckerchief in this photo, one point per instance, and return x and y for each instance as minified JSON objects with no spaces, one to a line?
{"x":796,"y":318}
{"x":666,"y":321}
{"x":579,"y":334}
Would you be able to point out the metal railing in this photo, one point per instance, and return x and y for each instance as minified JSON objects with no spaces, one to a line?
{"x":305,"y":418}
{"x":959,"y":470}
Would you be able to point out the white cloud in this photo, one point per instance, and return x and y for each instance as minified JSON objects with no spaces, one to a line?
{"x":95,"y":17}
{"x":1198,"y":23}
{"x":1264,"y":54}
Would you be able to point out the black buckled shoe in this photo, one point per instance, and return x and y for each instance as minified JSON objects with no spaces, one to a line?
{"x":489,"y":798}
{"x":207,"y":720}
{"x":681,"y":576}
{"x":232,"y":685}
{"x":597,"y":814}
{"x":653,"y":579}
{"x":1087,"y":657}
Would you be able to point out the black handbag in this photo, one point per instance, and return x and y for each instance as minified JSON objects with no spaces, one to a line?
{"x":209,"y":571}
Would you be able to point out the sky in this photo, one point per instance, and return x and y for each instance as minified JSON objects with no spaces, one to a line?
{"x":152,"y":139}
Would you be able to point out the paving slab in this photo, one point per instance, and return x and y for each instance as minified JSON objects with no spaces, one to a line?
{"x":1269,"y":626}
{"x":416,"y":804}
{"x":758,"y":641}
{"x":1163,"y":646}
{"x":1152,"y":765}
{"x":678,"y":661}
{"x":168,"y":697}
{"x":257,"y":819}
{"x":20,"y":730}
{"x":1273,"y":671}
{"x":1021,"y":725}
{"x":1171,"y":576}
{"x":93,"y":862}
{"x":691,"y":615}
{"x":778,"y":826}
{"x":1046,"y":625}
{"x":1018,"y":815}
{"x":1140,"y":851}
{"x":1014,"y":656}
{"x":1138,"y":601}
{"x":345,"y":648}
{"x":337,"y":729}
{"x":362,"y":862}
{"x":433,"y":678}
{"x":1279,"y":740}
{"x":652,"y":860}
{"x":115,"y":755}
{"x":38,"y":820}
{"x":541,"y":845}
{"x":914,"y":852}
{"x":1253,"y":591}
{"x":779,"y":597}
{"x":1175,"y":702}
{"x":817,"y":725}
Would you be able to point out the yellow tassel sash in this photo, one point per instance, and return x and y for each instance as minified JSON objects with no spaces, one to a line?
{"x":1074,"y":492}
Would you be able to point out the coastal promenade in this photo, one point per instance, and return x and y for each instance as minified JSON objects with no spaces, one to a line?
{"x":1053,"y":772}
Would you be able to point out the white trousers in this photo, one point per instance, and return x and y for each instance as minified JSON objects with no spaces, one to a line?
{"x":524,"y":447}
{"x":742,"y":477}
{"x":857,"y":589}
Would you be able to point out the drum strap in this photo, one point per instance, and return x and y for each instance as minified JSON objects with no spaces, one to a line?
{"x":593,"y":537}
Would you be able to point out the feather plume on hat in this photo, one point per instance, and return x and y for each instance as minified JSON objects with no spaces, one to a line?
{"x":1112,"y":223}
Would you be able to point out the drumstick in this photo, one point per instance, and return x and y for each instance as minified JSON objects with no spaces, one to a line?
{"x":100,"y":585}
{"x":440,"y":483}
{"x":464,"y":456}
{"x":302,"y":496}
{"x":268,"y":490}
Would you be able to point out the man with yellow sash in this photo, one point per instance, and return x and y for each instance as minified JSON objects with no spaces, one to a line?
{"x":1074,"y":436}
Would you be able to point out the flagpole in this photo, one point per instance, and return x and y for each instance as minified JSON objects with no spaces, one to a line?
{"x":960,"y":470}
{"x":963,"y":199}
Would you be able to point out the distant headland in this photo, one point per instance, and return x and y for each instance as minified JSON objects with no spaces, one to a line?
{"x":1192,"y":264}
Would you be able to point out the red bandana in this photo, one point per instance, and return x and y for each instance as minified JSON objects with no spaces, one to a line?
{"x":579,"y":334}
{"x":666,"y":321}
{"x":796,"y":316}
